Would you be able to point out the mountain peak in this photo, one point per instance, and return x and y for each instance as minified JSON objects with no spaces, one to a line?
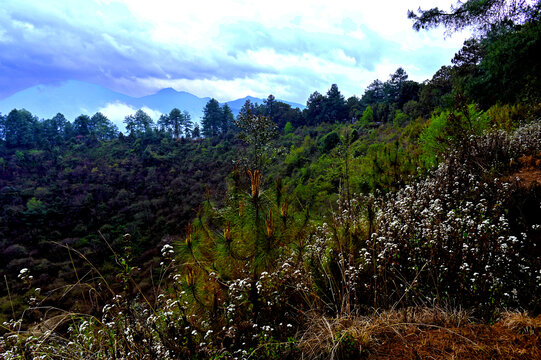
{"x":74,"y":97}
{"x":168,"y":90}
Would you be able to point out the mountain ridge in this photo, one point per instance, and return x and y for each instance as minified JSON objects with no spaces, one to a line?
{"x":73,"y":98}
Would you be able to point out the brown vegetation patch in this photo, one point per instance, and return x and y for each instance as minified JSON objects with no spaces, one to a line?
{"x":529,"y":173}
{"x":421,"y":333}
{"x":515,"y":337}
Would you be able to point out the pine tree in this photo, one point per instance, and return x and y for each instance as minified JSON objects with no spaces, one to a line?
{"x":334,"y":106}
{"x":212,"y":118}
{"x":227,"y":119}
{"x":188,"y":124}
{"x":176,"y":121}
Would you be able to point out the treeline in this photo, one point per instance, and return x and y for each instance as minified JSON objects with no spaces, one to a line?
{"x":500,"y":66}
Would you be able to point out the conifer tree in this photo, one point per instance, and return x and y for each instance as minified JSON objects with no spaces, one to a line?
{"x":227,"y":119}
{"x":176,"y":121}
{"x":334,"y":106}
{"x":212,"y":118}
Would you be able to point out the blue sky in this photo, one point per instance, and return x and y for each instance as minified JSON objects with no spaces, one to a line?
{"x":222,"y":49}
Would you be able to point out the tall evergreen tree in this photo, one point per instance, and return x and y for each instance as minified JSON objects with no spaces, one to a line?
{"x":257,"y":131}
{"x":334,"y":106}
{"x":393,"y":86}
{"x":82,"y":125}
{"x":212,"y":118}
{"x":104,"y":129}
{"x":176,"y":122}
{"x":373,"y":94}
{"x":227,"y":119}
{"x":164,"y":124}
{"x":247,"y":110}
{"x":196,"y":133}
{"x":313,"y":113}
{"x":354,"y":107}
{"x":138,"y":123}
{"x":54,"y":129}
{"x":188,"y":124}
{"x":19,"y":128}
{"x":269,"y":106}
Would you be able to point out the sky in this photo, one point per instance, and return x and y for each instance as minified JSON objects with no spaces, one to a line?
{"x":222,"y":49}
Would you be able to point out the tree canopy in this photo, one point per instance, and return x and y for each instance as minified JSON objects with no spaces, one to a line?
{"x":481,"y":15}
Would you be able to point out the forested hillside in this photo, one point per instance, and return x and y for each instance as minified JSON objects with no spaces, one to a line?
{"x":334,"y":231}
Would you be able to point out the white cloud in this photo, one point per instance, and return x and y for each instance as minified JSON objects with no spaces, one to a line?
{"x":154,"y":114}
{"x":223,"y":49}
{"x":195,"y":26}
{"x":117,"y":111}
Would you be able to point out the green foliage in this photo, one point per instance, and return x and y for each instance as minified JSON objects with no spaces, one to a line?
{"x":482,"y":15}
{"x":18,"y":128}
{"x":484,"y":69}
{"x":437,"y":93}
{"x":509,"y":79}
{"x":35,"y":206}
{"x":314,"y":113}
{"x":296,"y":158}
{"x":433,"y":139}
{"x":288,"y":128}
{"x":450,"y":128}
{"x":102,"y":128}
{"x":368,"y":116}
{"x":257,"y":131}
{"x":400,"y":118}
{"x":347,"y":347}
{"x":139,"y":123}
{"x":329,"y":142}
{"x":506,"y":117}
{"x":212,"y":118}
{"x":334,"y":107}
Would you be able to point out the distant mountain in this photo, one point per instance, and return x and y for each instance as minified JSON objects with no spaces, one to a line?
{"x":167,"y":99}
{"x":73,"y":98}
{"x":236,"y":105}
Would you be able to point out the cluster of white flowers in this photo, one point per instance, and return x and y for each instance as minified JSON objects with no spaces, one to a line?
{"x":24,"y":275}
{"x":167,"y":251}
{"x":450,"y":232}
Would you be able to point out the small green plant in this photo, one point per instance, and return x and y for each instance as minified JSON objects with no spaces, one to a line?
{"x":450,"y":128}
{"x":347,"y":347}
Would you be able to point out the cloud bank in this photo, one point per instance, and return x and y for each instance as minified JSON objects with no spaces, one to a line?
{"x":225,"y":49}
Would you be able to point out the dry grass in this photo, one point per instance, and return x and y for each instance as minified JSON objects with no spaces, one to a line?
{"x":522,"y":323}
{"x":324,"y":337}
{"x":416,"y":333}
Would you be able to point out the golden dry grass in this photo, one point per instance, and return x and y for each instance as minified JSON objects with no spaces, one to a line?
{"x":421,"y":333}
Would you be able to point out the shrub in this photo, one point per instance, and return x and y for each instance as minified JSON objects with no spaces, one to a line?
{"x":448,"y":237}
{"x":329,"y":142}
{"x":450,"y":128}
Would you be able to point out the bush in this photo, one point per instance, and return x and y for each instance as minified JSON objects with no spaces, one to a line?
{"x":449,"y":238}
{"x":450,"y":128}
{"x":329,"y":142}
